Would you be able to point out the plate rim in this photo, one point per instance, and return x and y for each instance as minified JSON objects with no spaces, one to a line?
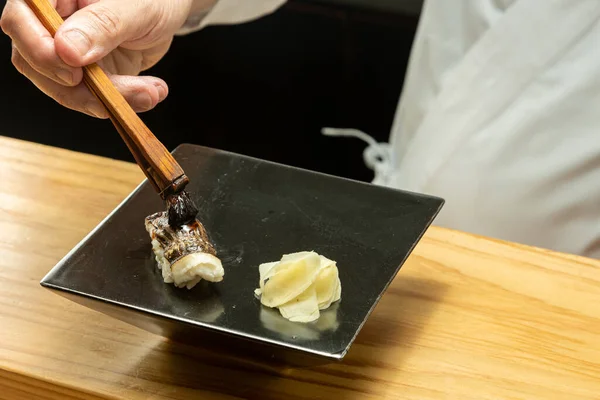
{"x":48,"y":283}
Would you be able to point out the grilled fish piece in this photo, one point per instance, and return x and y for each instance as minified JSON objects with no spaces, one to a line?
{"x":184,"y":254}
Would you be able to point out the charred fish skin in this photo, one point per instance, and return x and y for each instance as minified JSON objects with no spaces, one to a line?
{"x":178,"y":243}
{"x":184,"y":254}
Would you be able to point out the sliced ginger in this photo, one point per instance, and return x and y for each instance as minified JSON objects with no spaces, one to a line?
{"x":299,"y":285}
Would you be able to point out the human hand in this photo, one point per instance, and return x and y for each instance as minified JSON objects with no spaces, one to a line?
{"x":124,"y":37}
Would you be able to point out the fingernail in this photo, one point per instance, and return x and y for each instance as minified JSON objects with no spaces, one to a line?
{"x":78,"y":41}
{"x":142,"y":101}
{"x":65,"y":75}
{"x":162,"y":92}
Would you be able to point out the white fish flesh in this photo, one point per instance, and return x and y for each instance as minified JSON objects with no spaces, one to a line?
{"x":185,"y":254}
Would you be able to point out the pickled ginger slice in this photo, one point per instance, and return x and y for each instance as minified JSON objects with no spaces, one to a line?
{"x":326,"y":285}
{"x":289,"y":278}
{"x":338,"y":291}
{"x":303,"y":308}
{"x":264,"y":271}
{"x":300,"y":285}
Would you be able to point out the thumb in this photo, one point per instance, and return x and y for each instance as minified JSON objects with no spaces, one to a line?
{"x":97,"y":29}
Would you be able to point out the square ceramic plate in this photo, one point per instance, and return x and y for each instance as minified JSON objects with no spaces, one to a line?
{"x":255,"y":211}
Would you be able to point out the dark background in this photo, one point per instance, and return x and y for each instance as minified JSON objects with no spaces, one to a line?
{"x":264,"y":88}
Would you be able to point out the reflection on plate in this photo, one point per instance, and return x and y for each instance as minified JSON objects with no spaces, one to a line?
{"x":273,"y":321}
{"x":202,"y":303}
{"x":210,"y":311}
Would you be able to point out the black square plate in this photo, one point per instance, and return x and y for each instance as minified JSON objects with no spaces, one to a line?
{"x":255,"y":211}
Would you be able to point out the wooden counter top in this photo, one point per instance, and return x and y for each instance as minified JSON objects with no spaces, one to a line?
{"x":466,"y":318}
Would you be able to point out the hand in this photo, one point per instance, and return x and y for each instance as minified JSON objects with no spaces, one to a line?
{"x":124,"y":37}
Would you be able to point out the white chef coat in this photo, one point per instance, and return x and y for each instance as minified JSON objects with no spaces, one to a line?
{"x":499,"y":115}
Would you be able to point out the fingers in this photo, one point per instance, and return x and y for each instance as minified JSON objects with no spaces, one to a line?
{"x":35,"y":44}
{"x":65,"y":7}
{"x":76,"y":98}
{"x":36,"y":54}
{"x":143,"y":93}
{"x":95,"y":30}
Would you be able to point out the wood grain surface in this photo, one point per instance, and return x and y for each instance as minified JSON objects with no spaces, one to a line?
{"x":466,"y":318}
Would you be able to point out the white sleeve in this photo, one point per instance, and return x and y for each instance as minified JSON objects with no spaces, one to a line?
{"x":231,"y":12}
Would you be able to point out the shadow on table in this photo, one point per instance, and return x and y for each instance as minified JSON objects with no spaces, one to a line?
{"x":385,"y":342}
{"x":397,"y":322}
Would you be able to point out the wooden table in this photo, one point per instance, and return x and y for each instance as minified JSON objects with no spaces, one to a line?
{"x":467,"y":317}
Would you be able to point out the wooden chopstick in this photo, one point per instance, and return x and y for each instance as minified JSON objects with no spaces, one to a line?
{"x":159,"y":166}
